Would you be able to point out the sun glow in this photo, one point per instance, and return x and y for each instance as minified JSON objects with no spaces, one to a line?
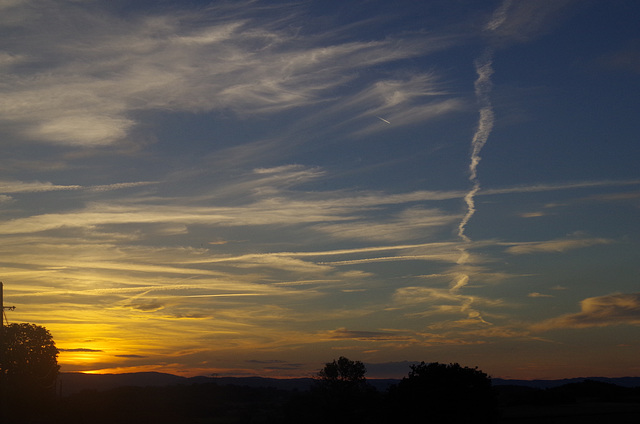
{"x":81,"y":357}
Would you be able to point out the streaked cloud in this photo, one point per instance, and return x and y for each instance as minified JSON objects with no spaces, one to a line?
{"x":600,"y":311}
{"x":516,"y":21}
{"x":25,"y":187}
{"x":343,"y":333}
{"x":532,"y":214}
{"x":438,"y":301}
{"x":555,"y":246}
{"x":37,"y":187}
{"x":75,"y":95}
{"x":403,"y":226}
{"x":536,"y":294}
{"x":559,"y":186}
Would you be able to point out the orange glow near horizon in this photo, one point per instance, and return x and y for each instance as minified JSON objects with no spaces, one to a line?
{"x":80,"y":358}
{"x":122,"y":370}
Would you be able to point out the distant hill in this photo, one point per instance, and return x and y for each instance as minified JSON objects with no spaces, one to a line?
{"x":548,"y":384}
{"x":69,"y":383}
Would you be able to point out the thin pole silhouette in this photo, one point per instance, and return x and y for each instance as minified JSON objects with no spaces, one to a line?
{"x":2,"y":370}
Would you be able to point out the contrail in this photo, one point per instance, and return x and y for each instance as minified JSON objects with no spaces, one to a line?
{"x":482,"y":88}
{"x":383,"y":120}
{"x":485,"y":125}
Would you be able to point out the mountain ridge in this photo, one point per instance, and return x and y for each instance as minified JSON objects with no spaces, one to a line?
{"x":74,"y":382}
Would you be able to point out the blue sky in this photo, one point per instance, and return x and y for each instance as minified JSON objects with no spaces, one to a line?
{"x":256,"y":188}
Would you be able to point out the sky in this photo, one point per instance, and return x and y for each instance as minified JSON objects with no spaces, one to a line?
{"x":258,"y":187}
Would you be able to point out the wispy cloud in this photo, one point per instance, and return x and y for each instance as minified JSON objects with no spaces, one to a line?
{"x":418,"y":98}
{"x":601,"y":311}
{"x":558,"y":186}
{"x":345,"y":334}
{"x":532,"y":214}
{"x":37,"y":186}
{"x":517,"y":21}
{"x":31,"y":187}
{"x":270,"y":201}
{"x":536,"y":294}
{"x":73,"y":94}
{"x":409,"y":224}
{"x":276,"y":364}
{"x":435,"y":301}
{"x":555,"y":246}
{"x":499,"y":16}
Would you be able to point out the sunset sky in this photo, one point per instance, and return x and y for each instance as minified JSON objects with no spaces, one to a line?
{"x":258,"y":187}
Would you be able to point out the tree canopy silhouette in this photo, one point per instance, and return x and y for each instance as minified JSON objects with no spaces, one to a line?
{"x":340,"y":394}
{"x":448,"y":393}
{"x":28,"y":365}
{"x":344,"y":372}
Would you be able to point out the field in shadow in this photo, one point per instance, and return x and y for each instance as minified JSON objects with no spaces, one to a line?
{"x":215,"y":402}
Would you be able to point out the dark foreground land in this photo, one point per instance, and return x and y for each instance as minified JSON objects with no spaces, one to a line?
{"x":585,"y":403}
{"x":216,"y":401}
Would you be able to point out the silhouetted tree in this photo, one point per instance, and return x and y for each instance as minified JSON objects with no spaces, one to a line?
{"x":340,"y":394}
{"x":444,"y":393}
{"x":28,"y":368}
{"x":343,"y":373}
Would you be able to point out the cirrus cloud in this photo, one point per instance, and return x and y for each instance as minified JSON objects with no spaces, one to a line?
{"x":91,"y":92}
{"x":555,"y":246}
{"x":600,"y":311}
